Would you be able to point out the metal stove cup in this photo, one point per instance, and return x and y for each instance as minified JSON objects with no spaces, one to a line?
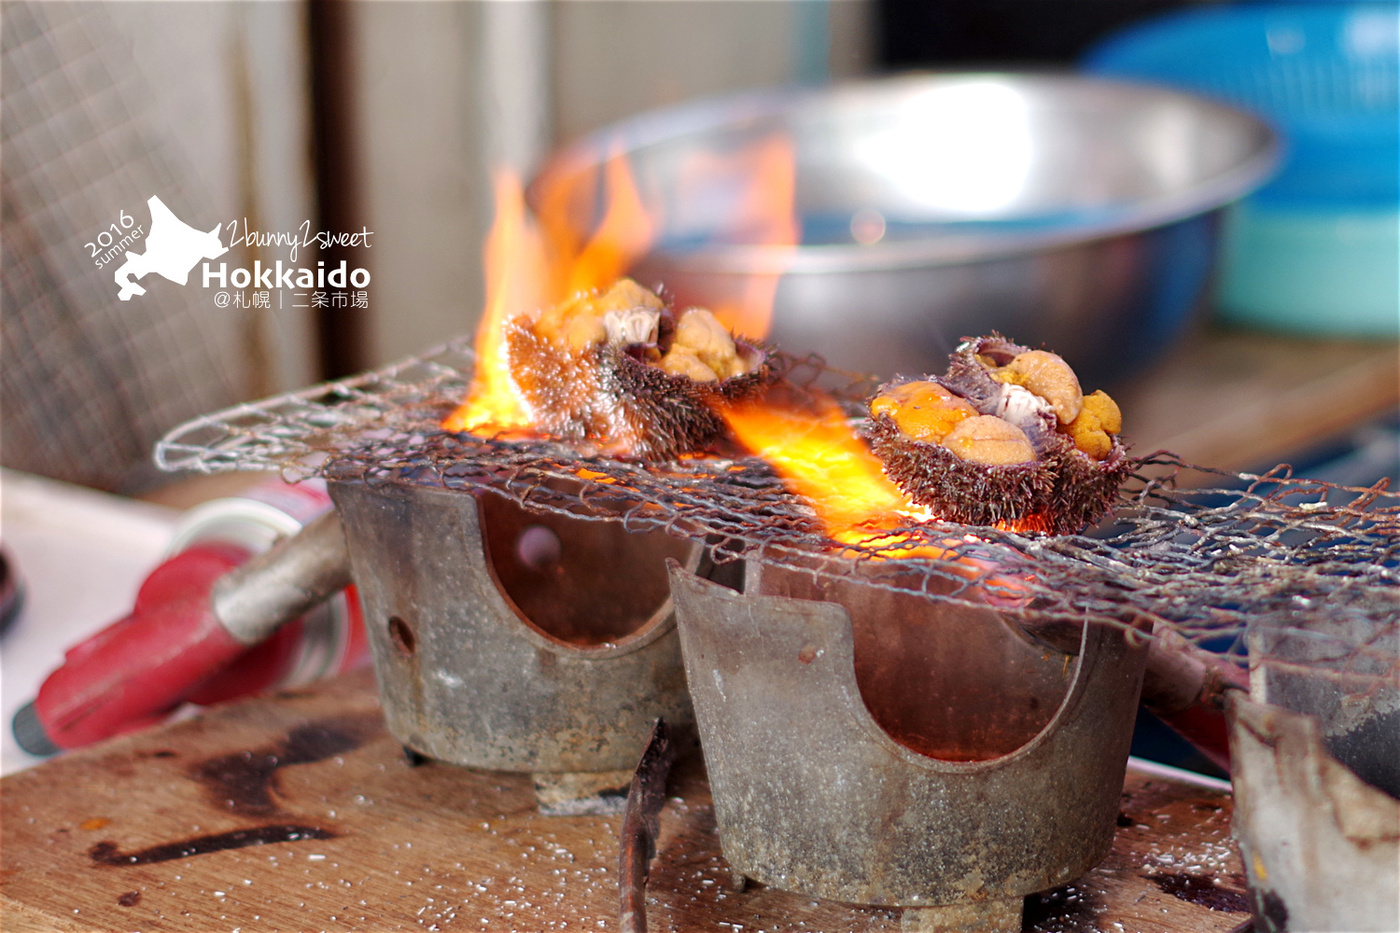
{"x":881,"y":748}
{"x":515,"y":641}
{"x":1316,"y":777}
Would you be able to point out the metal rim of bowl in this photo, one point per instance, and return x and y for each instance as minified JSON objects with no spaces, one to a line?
{"x":671,"y":123}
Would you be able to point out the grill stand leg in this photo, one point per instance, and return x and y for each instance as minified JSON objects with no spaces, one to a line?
{"x":574,"y":793}
{"x":998,"y":915}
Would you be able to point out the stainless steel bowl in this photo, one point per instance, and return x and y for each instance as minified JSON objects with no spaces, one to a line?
{"x":1075,"y":212}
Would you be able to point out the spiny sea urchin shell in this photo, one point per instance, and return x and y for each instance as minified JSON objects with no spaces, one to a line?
{"x":597,"y":368}
{"x":1005,"y":437}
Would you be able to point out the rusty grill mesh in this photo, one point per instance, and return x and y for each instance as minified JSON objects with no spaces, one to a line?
{"x":1208,"y":558}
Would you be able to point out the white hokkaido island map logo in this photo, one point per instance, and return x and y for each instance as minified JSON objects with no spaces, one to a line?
{"x":174,"y":248}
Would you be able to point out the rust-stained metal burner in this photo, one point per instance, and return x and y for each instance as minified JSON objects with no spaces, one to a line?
{"x":1317,"y":775}
{"x":875,"y":747}
{"x":513,"y":641}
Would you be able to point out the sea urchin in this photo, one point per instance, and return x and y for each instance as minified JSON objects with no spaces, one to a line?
{"x":1006,"y":437}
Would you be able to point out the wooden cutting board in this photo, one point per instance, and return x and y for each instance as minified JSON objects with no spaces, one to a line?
{"x":1244,"y":400}
{"x":298,"y":811}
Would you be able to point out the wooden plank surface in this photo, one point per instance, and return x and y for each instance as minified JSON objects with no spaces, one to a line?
{"x":298,"y":811}
{"x":1245,"y":400}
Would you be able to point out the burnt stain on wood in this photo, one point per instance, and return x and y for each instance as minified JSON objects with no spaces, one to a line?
{"x":107,"y":852}
{"x":1070,"y":908}
{"x":244,"y":782}
{"x":1202,"y":890}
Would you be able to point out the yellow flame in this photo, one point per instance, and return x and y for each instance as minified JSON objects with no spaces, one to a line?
{"x":623,"y":236}
{"x":828,"y":465}
{"x":764,"y":215}
{"x":531,"y":266}
{"x":514,"y":259}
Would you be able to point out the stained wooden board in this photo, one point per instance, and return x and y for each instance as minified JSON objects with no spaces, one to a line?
{"x":1243,"y":400}
{"x":155,"y":832}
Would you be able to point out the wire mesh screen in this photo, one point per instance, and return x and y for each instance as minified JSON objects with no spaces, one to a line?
{"x":1210,"y":562}
{"x":89,"y":382}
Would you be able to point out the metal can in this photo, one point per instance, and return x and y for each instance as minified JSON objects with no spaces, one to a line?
{"x":326,"y":641}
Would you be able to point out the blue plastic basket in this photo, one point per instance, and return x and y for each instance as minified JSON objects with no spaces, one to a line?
{"x":1318,"y":248}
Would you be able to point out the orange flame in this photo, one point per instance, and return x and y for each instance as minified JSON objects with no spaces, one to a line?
{"x":522,"y":276}
{"x":828,"y":465}
{"x":825,"y":462}
{"x":530,"y":266}
{"x":764,"y":215}
{"x":623,"y":236}
{"x":514,"y":257}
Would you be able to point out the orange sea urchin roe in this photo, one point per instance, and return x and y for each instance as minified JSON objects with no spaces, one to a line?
{"x":577,"y":323}
{"x":1106,"y":410}
{"x":924,"y":411}
{"x":1099,"y":418}
{"x":1048,"y":376}
{"x":988,"y":440}
{"x":700,"y":332}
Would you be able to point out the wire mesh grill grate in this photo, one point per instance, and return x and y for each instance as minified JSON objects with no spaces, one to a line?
{"x":1317,"y":561}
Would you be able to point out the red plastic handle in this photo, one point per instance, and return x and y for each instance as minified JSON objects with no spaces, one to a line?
{"x":141,"y":667}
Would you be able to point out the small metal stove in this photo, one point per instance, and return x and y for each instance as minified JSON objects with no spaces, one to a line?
{"x":1317,"y":777}
{"x":875,"y":747}
{"x":513,"y":641}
